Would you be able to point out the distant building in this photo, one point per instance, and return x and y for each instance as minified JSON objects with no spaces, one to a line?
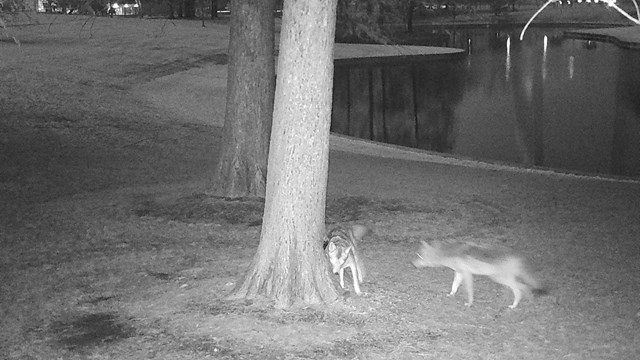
{"x":126,"y":8}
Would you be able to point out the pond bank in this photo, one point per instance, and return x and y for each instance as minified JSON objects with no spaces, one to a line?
{"x":209,"y":83}
{"x":627,"y":37}
{"x":365,"y":53}
{"x":198,"y":95}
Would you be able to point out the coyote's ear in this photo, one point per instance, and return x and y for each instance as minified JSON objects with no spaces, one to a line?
{"x":331,"y":247}
{"x":348,"y":249}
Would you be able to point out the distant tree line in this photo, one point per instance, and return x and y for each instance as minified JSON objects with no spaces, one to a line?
{"x":15,"y":12}
{"x":173,"y":9}
{"x":371,"y":20}
{"x":8,"y":7}
{"x":357,"y":20}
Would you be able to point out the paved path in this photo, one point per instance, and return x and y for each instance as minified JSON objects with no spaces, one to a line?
{"x":348,"y":51}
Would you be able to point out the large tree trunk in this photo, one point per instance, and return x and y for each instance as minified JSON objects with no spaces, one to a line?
{"x":189,"y":9}
{"x":290,"y":265}
{"x":410,"y":9}
{"x":242,"y":167}
{"x":214,"y":9}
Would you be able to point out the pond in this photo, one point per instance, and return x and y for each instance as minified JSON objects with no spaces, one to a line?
{"x":546,"y":101}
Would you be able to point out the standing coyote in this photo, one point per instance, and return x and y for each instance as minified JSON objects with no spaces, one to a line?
{"x":341,"y":248}
{"x":466,"y":259}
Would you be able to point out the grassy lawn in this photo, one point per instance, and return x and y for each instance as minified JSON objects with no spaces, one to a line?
{"x":110,"y":249}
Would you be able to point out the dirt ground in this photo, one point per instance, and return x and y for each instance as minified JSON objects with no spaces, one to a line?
{"x":110,"y":248}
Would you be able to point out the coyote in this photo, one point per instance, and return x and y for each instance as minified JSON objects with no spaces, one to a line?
{"x":465,"y":258}
{"x":341,"y":248}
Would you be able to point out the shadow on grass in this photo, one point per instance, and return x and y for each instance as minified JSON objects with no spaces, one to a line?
{"x":91,"y":330}
{"x":196,"y":208}
{"x":203,"y":208}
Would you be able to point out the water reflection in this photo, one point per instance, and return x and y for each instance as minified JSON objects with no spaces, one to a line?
{"x":546,"y":101}
{"x":572,"y":61}
{"x":507,"y":68}
{"x":410,"y":104}
{"x":544,"y":57}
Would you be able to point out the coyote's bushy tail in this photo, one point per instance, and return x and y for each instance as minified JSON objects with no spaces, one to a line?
{"x":357,"y":233}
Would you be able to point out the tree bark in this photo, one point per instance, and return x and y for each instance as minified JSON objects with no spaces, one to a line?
{"x":410,"y":9}
{"x":290,"y":266}
{"x":242,"y":167}
{"x":189,"y":9}
{"x":214,"y":9}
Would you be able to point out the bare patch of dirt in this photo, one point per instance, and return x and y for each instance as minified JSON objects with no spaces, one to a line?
{"x":90,"y":330}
